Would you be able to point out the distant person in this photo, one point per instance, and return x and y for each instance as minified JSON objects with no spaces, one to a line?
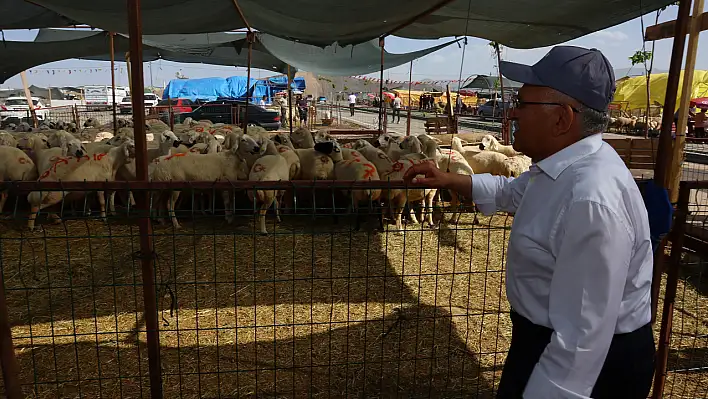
{"x":700,"y":120}
{"x":397,"y":105}
{"x":302,"y":108}
{"x":352,"y":103}
{"x":283,"y":103}
{"x":262,"y":103}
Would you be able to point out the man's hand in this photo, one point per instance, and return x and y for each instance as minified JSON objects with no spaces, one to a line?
{"x":432,"y":176}
{"x":436,"y":178}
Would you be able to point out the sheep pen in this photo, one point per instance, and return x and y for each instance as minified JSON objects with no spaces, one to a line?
{"x":313,"y":309}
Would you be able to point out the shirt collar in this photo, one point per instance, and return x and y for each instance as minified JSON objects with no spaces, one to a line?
{"x":554,"y":165}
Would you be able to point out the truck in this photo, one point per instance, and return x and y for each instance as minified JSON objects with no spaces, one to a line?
{"x":102,"y":96}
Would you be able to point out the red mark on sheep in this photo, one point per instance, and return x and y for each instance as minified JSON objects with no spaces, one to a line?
{"x":196,"y":150}
{"x":324,"y":159}
{"x":370,"y":171}
{"x":98,"y":157}
{"x":23,"y":160}
{"x":179,"y":154}
{"x":397,"y":166}
{"x":283,"y":149}
{"x":258,"y":168}
{"x":199,"y":129}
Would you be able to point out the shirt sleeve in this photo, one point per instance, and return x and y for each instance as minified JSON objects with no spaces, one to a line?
{"x":594,"y":251}
{"x":491,"y":193}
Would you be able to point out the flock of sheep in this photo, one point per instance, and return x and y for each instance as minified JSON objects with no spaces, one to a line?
{"x":202,"y":151}
{"x":634,"y":124}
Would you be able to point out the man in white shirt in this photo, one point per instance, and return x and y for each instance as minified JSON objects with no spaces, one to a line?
{"x":397,"y":105}
{"x":352,"y":103}
{"x":579,"y":263}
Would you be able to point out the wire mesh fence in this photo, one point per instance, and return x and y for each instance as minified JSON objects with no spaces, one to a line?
{"x":314,"y":308}
{"x":682,"y":362}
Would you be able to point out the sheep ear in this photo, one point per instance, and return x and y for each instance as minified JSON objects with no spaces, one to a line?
{"x":325,"y":147}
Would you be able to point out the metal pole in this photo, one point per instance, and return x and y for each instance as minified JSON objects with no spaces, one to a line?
{"x":290,"y":104}
{"x":113,"y":81}
{"x":250,"y":38}
{"x":505,"y":131}
{"x":680,"y":142}
{"x":10,"y":371}
{"x":143,"y":199}
{"x":663,"y":154}
{"x":410,"y":78}
{"x":381,"y":80}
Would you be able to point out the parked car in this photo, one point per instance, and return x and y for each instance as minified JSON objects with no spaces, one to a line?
{"x":321,"y":100}
{"x":16,"y":110}
{"x":150,"y":99}
{"x":125,"y":105}
{"x":492,"y":109}
{"x":224,"y":111}
{"x":179,"y":106}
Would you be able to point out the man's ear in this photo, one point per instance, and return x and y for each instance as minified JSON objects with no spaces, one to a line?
{"x":565,"y":117}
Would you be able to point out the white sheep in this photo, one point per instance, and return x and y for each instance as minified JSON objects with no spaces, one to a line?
{"x":518,"y":165}
{"x":7,"y":140}
{"x":490,"y":143}
{"x":465,"y":150}
{"x":350,"y":165}
{"x":227,"y":165}
{"x":15,"y":165}
{"x":269,"y":167}
{"x":452,"y":161}
{"x":101,"y":167}
{"x":302,"y":138}
{"x":285,"y":148}
{"x":69,"y":144}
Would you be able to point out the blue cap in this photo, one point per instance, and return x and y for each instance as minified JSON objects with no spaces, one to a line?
{"x":583,"y":74}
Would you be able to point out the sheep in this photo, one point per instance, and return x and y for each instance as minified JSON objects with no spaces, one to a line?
{"x":45,"y":157}
{"x":314,"y":165}
{"x":302,"y":138}
{"x":7,"y":139}
{"x":69,"y":144}
{"x":23,"y":127}
{"x":451,"y":161}
{"x":518,"y":165}
{"x":92,"y":122}
{"x":391,"y":144}
{"x":269,"y":167}
{"x":14,"y":165}
{"x":102,"y":167}
{"x":490,"y":143}
{"x":206,"y":144}
{"x":285,"y":148}
{"x":467,"y":150}
{"x":227,"y":165}
{"x":350,"y":165}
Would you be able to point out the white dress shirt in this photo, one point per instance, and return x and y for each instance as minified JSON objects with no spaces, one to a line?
{"x":352,"y":99}
{"x":579,"y":259}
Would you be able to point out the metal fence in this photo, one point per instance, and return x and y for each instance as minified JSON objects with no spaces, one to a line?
{"x":314,"y":308}
{"x":682,"y":361}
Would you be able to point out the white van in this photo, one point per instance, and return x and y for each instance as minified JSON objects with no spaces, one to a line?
{"x":101,"y":95}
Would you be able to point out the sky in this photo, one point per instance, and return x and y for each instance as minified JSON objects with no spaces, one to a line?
{"x":618,"y":43}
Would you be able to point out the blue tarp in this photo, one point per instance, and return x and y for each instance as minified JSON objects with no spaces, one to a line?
{"x":234,"y":87}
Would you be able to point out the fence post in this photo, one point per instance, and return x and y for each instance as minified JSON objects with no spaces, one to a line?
{"x":662,"y":356}
{"x":75,"y":110}
{"x":10,"y":372}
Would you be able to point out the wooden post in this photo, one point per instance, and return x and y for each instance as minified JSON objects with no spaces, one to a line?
{"x":664,"y":150}
{"x":249,"y":38}
{"x":410,"y":78}
{"x":686,"y":93}
{"x":130,"y":80}
{"x":28,"y":95}
{"x":290,"y":103}
{"x":142,"y":200}
{"x":49,"y":95}
{"x":8,"y":359}
{"x":381,"y":99}
{"x":113,"y":81}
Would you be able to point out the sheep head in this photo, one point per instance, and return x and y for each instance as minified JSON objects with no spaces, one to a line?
{"x":72,"y":147}
{"x":283,"y":139}
{"x":411,"y":145}
{"x":169,"y":139}
{"x":302,"y":138}
{"x":488,"y":143}
{"x":247,"y":145}
{"x":330,"y":148}
{"x":361,"y":143}
{"x":387,"y":139}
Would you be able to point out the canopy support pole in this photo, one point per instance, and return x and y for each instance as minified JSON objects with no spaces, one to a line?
{"x":663,"y":154}
{"x":505,"y":124}
{"x":249,"y":38}
{"x":113,"y":81}
{"x":290,"y":104}
{"x":410,"y":78}
{"x":381,"y":80}
{"x":680,"y":142}
{"x":142,"y":198}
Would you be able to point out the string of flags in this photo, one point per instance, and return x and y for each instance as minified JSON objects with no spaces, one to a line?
{"x":389,"y":81}
{"x":70,"y":71}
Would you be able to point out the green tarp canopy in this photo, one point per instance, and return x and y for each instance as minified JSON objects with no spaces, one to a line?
{"x":486,"y":82}
{"x":513,"y":23}
{"x":269,"y":53}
